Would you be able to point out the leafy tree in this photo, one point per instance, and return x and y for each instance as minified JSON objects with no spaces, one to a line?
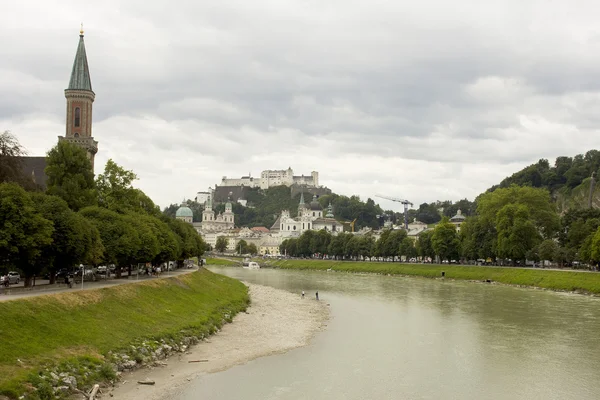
{"x":407,"y":248}
{"x":428,"y":213}
{"x":74,"y":238}
{"x":241,"y":247}
{"x":24,"y":234}
{"x":424,"y":244}
{"x":548,"y":249}
{"x":222,"y":243}
{"x":115,"y":191}
{"x":478,"y":238}
{"x":70,"y":175}
{"x":252,"y":249}
{"x":11,"y":162}
{"x":517,"y":233}
{"x":120,"y":238}
{"x":541,"y":211}
{"x":444,"y":240}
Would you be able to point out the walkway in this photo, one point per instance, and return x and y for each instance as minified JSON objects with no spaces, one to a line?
{"x":19,"y":292}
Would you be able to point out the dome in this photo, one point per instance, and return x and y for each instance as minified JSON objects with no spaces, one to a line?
{"x":314,"y":204}
{"x":184,"y":211}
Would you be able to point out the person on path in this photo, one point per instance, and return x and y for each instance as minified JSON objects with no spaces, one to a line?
{"x":303,"y":294}
{"x":317,"y":295}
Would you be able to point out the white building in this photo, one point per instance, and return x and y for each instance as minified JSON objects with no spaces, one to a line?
{"x":203,"y":197}
{"x":310,"y":218}
{"x":270,"y":178}
{"x":216,"y":223}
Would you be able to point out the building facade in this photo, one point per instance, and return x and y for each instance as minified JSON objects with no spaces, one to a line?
{"x":310,"y":218}
{"x":270,"y":178}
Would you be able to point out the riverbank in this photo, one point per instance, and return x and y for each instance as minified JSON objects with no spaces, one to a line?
{"x":568,"y":281}
{"x":276,"y":321}
{"x":72,"y":340}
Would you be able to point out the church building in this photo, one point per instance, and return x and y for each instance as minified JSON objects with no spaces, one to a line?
{"x":78,"y":130}
{"x":310,"y":218}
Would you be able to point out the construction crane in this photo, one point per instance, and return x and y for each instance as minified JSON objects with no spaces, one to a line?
{"x":397,"y":200}
{"x":351,"y":223}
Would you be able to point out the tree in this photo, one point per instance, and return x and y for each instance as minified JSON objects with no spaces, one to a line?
{"x":444,"y":240}
{"x":222,"y":243}
{"x":424,"y":245}
{"x":115,"y":190}
{"x":547,"y":250}
{"x":74,"y":238}
{"x":252,"y":249}
{"x":407,"y":248}
{"x":517,"y":233}
{"x":24,"y":232}
{"x":241,"y":247}
{"x":70,"y":175}
{"x":120,"y":238}
{"x":11,"y":162}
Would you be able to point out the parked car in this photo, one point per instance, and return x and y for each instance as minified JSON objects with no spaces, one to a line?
{"x":12,"y":278}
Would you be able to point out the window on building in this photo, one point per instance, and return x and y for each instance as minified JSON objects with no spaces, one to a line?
{"x":313,"y":213}
{"x":76,"y":134}
{"x":288,"y":227}
{"x":77,"y":119}
{"x":303,"y":225}
{"x":281,"y":226}
{"x":294,"y":227}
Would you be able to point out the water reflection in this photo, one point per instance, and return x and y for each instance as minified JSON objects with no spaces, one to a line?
{"x":411,"y":338}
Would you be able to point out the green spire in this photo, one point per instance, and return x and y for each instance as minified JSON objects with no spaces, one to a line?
{"x":80,"y":76}
{"x":301,"y":199}
{"x":329,"y":211}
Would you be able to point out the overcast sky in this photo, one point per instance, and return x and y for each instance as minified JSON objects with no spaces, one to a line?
{"x":424,"y":100}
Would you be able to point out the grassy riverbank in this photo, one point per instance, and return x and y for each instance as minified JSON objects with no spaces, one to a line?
{"x":222,"y":261}
{"x":82,"y":327}
{"x":588,"y":282}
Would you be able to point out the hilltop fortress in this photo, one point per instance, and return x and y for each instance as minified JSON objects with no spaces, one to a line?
{"x":270,"y":178}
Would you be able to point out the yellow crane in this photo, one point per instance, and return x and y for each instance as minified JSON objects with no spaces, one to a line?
{"x":351,"y":223}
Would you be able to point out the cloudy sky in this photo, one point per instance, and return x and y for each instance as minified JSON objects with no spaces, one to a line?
{"x":422,"y":100}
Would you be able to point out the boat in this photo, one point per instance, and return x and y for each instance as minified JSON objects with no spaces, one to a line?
{"x":252,"y":265}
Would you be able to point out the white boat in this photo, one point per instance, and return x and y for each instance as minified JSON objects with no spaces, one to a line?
{"x":252,"y":265}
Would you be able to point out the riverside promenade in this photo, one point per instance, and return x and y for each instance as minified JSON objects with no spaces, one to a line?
{"x":42,"y":287}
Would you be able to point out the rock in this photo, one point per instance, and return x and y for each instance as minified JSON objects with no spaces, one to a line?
{"x":70,"y":381}
{"x":146,"y":382}
{"x":54,"y":377}
{"x":62,"y":389}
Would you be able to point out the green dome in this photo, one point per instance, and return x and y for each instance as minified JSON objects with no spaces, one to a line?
{"x":184,"y":211}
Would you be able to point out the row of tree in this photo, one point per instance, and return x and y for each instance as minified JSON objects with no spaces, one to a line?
{"x":82,"y":220}
{"x":514,"y":223}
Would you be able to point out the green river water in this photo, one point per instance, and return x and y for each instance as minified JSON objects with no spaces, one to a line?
{"x":413,"y":338}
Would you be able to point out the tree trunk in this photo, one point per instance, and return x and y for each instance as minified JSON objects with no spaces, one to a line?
{"x":28,"y":280}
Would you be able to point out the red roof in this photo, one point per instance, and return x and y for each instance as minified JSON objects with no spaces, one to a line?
{"x":260,"y":229}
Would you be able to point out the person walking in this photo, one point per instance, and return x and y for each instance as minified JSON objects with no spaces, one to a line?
{"x":317,"y":295}
{"x":303,"y":294}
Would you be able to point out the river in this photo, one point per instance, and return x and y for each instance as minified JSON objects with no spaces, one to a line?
{"x":414,"y":338}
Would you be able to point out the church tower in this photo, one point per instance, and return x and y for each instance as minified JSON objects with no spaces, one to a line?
{"x":80,"y":97}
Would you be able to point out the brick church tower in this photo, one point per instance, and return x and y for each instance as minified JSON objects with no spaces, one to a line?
{"x":80,"y":97}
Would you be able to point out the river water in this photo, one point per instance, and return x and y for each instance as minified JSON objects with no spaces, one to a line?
{"x":413,"y":338}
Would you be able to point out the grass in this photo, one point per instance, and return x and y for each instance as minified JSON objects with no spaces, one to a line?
{"x":83,"y":327}
{"x":221,"y":261}
{"x":587,"y":282}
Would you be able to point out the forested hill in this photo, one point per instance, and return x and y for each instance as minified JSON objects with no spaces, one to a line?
{"x":264,"y":206}
{"x":568,"y":180}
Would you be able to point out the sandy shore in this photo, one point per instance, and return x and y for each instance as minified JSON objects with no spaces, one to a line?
{"x":276,"y":322}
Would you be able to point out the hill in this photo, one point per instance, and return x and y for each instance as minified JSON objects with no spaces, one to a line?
{"x":264,"y":206}
{"x":568,"y":180}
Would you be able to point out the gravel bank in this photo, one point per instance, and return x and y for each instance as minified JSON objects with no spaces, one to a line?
{"x":276,"y":321}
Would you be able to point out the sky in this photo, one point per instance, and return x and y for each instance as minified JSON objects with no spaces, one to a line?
{"x":428,"y":100}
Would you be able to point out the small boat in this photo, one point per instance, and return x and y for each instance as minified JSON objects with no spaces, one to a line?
{"x":252,"y":265}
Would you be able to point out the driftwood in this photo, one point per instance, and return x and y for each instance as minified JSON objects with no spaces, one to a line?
{"x":194,"y":361}
{"x":146,"y":382}
{"x":94,"y":391}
